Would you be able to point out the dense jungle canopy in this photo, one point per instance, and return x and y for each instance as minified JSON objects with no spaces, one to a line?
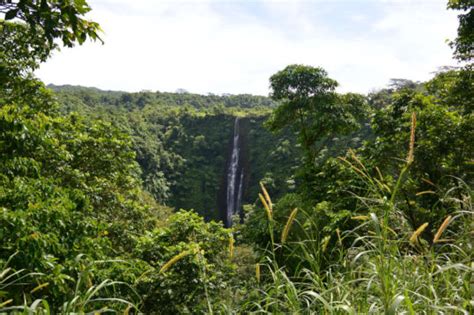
{"x":114,"y":201}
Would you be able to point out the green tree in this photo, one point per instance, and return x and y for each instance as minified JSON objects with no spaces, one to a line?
{"x":68,"y":185}
{"x":309,"y":105}
{"x":464,"y":43}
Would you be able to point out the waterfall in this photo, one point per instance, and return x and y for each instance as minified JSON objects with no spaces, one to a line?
{"x":239,"y":194}
{"x":234,"y":182}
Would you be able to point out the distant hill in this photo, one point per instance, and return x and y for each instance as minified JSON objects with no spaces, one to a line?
{"x":92,"y":96}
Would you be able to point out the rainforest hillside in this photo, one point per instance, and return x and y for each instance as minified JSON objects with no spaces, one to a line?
{"x":183,"y":142}
{"x":309,"y":201}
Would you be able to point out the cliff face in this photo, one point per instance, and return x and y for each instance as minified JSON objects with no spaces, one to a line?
{"x":206,"y":144}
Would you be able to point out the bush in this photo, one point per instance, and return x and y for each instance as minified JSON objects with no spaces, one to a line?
{"x":191,"y":264}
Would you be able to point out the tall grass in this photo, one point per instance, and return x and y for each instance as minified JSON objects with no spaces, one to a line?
{"x":387,"y":269}
{"x":379,"y":273}
{"x":85,"y":298}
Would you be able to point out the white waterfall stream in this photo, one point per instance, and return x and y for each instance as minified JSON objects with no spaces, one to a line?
{"x":234,"y":182}
{"x":239,"y":193}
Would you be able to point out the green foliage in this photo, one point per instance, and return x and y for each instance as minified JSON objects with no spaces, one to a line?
{"x":86,"y":297}
{"x":50,"y":20}
{"x":20,"y":54}
{"x":199,"y":276}
{"x":20,"y":51}
{"x":311,"y":107}
{"x":464,"y":43}
{"x":76,"y":98}
{"x":273,"y":159}
{"x":255,"y":229}
{"x":378,"y":266}
{"x":443,"y":148}
{"x":24,"y":44}
{"x":68,"y":185}
{"x":182,"y":141}
{"x":80,"y":234}
{"x":322,"y":119}
{"x":328,"y":249}
{"x":454,"y":88}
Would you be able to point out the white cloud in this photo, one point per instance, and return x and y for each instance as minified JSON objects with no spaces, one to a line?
{"x":166,"y":45}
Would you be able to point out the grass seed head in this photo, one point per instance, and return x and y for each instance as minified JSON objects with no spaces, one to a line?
{"x":174,"y":260}
{"x":417,"y":233}
{"x":360,"y":217}
{"x":257,"y":272}
{"x":441,"y":229}
{"x":266,"y":206}
{"x":325,"y":242}
{"x":267,"y":196}
{"x":288,"y":224}
{"x":231,"y":246}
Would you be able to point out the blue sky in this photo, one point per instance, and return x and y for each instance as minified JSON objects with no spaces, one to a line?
{"x":235,"y":46}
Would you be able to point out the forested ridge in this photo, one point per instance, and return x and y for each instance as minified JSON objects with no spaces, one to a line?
{"x":93,"y":97}
{"x":113,"y":201}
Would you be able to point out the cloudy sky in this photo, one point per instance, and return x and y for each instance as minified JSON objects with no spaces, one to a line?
{"x":235,"y":46}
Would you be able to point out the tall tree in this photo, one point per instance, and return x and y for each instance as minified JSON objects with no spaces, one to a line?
{"x":310,"y":105}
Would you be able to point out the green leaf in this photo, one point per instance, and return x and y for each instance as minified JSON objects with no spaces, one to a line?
{"x":11,"y":14}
